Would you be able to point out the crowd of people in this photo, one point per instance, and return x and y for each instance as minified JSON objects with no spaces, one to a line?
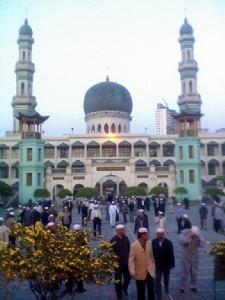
{"x":146,"y":261}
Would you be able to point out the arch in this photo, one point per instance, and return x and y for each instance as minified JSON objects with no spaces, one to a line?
{"x":109,"y":149}
{"x":93,"y":144}
{"x":183,"y":88}
{"x":122,"y":188}
{"x":144,"y":186}
{"x":22,"y":87}
{"x":109,"y":187}
{"x":24,"y":55}
{"x":190,"y":87}
{"x":78,"y":144}
{"x":119,"y":128}
{"x":99,"y":128}
{"x":56,"y":190}
{"x":78,"y":164}
{"x":49,"y":164}
{"x":93,"y":129}
{"x":214,"y":162}
{"x":63,"y":145}
{"x":77,"y":187}
{"x":155,"y":162}
{"x":168,"y":162}
{"x":29,"y":88}
{"x":62,"y":164}
{"x":140,"y":163}
{"x":139,"y":144}
{"x":125,"y":128}
{"x":108,"y":144}
{"x":106,"y":128}
{"x":188,"y":54}
{"x":113,"y":128}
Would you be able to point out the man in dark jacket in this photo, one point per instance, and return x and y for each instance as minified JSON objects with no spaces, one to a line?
{"x":140,"y":221}
{"x":164,"y":261}
{"x":121,"y":247}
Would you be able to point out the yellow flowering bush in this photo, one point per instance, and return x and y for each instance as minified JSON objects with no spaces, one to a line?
{"x":47,"y":258}
{"x":218,"y":250}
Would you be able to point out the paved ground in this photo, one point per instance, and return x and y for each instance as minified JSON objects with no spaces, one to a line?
{"x":205,"y":277}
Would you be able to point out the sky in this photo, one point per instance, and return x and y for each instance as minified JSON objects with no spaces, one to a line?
{"x":76,"y":40}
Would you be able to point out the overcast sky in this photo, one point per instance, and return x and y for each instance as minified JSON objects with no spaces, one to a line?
{"x":75,"y":41}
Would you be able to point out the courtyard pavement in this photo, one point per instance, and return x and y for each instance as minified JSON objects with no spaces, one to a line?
{"x":205,"y":274}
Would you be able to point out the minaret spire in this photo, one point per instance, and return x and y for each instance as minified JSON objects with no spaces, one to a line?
{"x":24,"y":101}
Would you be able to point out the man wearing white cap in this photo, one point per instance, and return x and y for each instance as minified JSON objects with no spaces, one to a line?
{"x":113,"y":210}
{"x":4,"y":234}
{"x":190,"y":240}
{"x":140,"y":221}
{"x":121,"y":247}
{"x":96,"y":217}
{"x":161,"y":222}
{"x":142,"y":265}
{"x":164,"y":261}
{"x":179,"y":217}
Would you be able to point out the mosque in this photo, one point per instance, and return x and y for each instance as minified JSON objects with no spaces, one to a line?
{"x":108,"y":156}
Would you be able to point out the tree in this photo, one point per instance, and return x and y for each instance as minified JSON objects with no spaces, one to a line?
{"x":46,"y":258}
{"x":214,"y":192}
{"x":63,"y":193}
{"x":135,"y":191}
{"x":87,"y":192}
{"x":5,"y":190}
{"x":180,"y":190}
{"x":41,"y":193}
{"x":157,"y":190}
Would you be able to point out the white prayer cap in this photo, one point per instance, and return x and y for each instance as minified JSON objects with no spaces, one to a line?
{"x":76,"y":227}
{"x":51,"y":215}
{"x":185,"y":216}
{"x":52,"y":205}
{"x":160,"y":212}
{"x":141,"y":210}
{"x":1,"y":219}
{"x":120,"y":226}
{"x":195,"y":230}
{"x":160,"y":230}
{"x":96,"y":206}
{"x":8,"y":209}
{"x":113,"y":202}
{"x":50,"y":224}
{"x":46,"y":207}
{"x":202,"y":203}
{"x":178,"y":203}
{"x":11,"y":213}
{"x":142,"y":230}
{"x":11,"y":208}
{"x":19,"y":205}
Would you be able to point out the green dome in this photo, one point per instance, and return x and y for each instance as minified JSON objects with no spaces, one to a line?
{"x":25,"y":29}
{"x":186,"y":28}
{"x":107,"y":96}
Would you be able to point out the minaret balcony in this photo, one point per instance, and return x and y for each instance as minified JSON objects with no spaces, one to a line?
{"x":31,"y":135}
{"x":190,"y":64}
{"x":190,"y":97}
{"x":24,"y":66}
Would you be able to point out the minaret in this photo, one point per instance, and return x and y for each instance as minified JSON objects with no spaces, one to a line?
{"x":188,"y":166}
{"x":24,"y":101}
{"x":188,"y":68}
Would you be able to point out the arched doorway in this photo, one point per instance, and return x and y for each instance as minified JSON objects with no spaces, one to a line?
{"x":109,"y":187}
{"x":144,"y":186}
{"x":56,"y":190}
{"x":76,"y":188}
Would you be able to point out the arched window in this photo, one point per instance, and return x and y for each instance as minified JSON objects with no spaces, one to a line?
{"x":106,"y":128}
{"x":24,"y":55}
{"x":22,"y":88}
{"x":183,"y":56}
{"x":113,"y":128}
{"x":189,"y":54}
{"x":29,"y":88}
{"x":125,"y":128}
{"x":190,"y":86}
{"x":99,"y":128}
{"x":183,"y":88}
{"x":119,"y":128}
{"x":93,"y":129}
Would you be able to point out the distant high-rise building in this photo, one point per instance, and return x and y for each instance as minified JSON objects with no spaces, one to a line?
{"x":165,"y":123}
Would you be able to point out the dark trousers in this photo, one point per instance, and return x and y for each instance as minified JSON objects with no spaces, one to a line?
{"x":158,"y":285}
{"x":124,"y":218}
{"x":97,"y":225}
{"x":149,"y":281}
{"x":179,"y":225}
{"x":122,"y":274}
